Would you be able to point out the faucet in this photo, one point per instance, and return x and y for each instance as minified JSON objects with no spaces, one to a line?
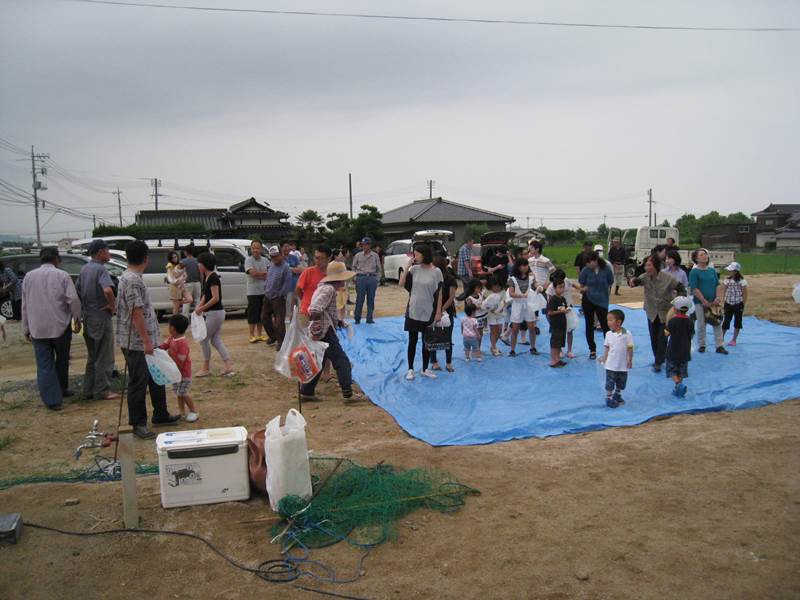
{"x":94,"y":439}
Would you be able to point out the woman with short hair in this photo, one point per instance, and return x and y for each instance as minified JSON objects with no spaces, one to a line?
{"x":595,"y":283}
{"x":211,"y":306}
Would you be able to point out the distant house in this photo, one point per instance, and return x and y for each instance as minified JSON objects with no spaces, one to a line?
{"x":772,"y":218}
{"x":522,"y":236}
{"x":438,"y":213}
{"x":244,"y":220}
{"x":740,"y":236}
{"x":788,"y":236}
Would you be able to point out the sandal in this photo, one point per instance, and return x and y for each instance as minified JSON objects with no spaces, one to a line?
{"x":202,"y":374}
{"x":436,"y":367}
{"x":450,"y":369}
{"x":592,"y":355}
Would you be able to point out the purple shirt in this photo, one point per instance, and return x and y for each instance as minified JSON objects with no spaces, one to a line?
{"x":279,"y":280}
{"x":49,"y":302}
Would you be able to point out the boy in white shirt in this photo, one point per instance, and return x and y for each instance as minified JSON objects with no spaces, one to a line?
{"x":618,"y":358}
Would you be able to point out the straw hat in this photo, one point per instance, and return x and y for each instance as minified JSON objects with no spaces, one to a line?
{"x":337,"y":271}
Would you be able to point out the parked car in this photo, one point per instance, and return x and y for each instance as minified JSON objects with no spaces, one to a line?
{"x":115,"y":242}
{"x":400,"y":251}
{"x":71,"y":263}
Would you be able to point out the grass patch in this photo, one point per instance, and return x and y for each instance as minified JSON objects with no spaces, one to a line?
{"x":6,"y":441}
{"x":756,"y":262}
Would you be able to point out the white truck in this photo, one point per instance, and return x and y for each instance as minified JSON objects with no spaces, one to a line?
{"x":640,"y":242}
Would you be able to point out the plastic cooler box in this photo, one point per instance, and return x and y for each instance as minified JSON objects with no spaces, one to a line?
{"x":203,"y":466}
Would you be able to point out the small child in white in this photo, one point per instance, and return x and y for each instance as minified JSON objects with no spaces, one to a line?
{"x":618,"y":358}
{"x":495,"y":304}
{"x":469,"y":331}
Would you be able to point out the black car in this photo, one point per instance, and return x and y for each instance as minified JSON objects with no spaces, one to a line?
{"x":71,"y":263}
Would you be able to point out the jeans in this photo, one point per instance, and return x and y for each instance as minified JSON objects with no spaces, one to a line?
{"x":139,"y":380}
{"x":589,"y":311}
{"x":273,"y":314}
{"x":366,"y":285}
{"x":701,"y":328}
{"x":52,"y":367}
{"x":341,"y":364}
{"x":99,"y":338}
{"x":214,"y":321}
{"x":658,"y":341}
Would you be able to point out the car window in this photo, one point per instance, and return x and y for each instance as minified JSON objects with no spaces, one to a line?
{"x":229,"y":260}
{"x":157,"y":260}
{"x":391,"y":249}
{"x":114,"y":270}
{"x":72,"y":265}
{"x":26,"y":265}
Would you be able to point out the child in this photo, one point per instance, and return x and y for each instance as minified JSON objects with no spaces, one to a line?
{"x":521,"y":312}
{"x":475,"y":298}
{"x":735,"y":295}
{"x":469,"y":331}
{"x":557,"y":312}
{"x":177,"y":346}
{"x":680,"y":330}
{"x":618,"y":358}
{"x":557,"y":275}
{"x":495,"y":305}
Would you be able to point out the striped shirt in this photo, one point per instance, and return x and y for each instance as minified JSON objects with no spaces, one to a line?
{"x":541,"y":268}
{"x":734,"y":290}
{"x":464,"y":262}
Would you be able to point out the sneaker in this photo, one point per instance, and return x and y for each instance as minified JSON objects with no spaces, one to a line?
{"x":192,"y":417}
{"x":732,"y":343}
{"x":512,"y":353}
{"x":562,"y":363}
{"x":357,"y":322}
{"x":682,"y":389}
{"x":271,"y":341}
{"x":618,"y":399}
{"x":410,"y":375}
{"x":721,"y":350}
{"x":450,"y":369}
{"x":143,"y":433}
{"x":701,"y":349}
{"x":479,"y":358}
{"x":676,"y":390}
{"x":467,"y":359}
{"x":525,"y":343}
{"x":253,"y":339}
{"x":656,"y":368}
{"x":370,"y":321}
{"x":429,"y":374}
{"x":166,"y":420}
{"x":592,"y":355}
{"x":262,"y":338}
{"x":534,"y":351}
{"x":611,"y":403}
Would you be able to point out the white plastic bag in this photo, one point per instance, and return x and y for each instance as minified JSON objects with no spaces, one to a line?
{"x":162,"y":368}
{"x":572,"y":319}
{"x":300,"y":357}
{"x":198,"y":327}
{"x":444,"y":322}
{"x":536,"y":301}
{"x":796,"y":292}
{"x":286,"y":452}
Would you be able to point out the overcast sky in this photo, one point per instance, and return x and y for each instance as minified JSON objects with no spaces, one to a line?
{"x":556,"y":124}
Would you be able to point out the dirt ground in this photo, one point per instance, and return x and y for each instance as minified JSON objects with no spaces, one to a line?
{"x":695,"y":506}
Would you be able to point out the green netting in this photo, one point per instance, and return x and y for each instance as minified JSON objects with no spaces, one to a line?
{"x":361,"y":504}
{"x":103,"y":469}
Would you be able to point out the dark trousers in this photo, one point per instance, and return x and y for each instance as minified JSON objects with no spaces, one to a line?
{"x":139,"y":381}
{"x":448,"y":354}
{"x":658,"y":341}
{"x":413,"y":338}
{"x":273,"y":314}
{"x":341,"y":364}
{"x":98,"y":335}
{"x":16,"y":310}
{"x":733,"y":312}
{"x":366,"y":285}
{"x":589,"y":311}
{"x":52,"y":367}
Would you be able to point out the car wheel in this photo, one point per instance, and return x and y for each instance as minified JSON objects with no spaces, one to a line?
{"x":6,"y":310}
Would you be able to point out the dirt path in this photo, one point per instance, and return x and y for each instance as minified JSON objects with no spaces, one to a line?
{"x":695,"y":506}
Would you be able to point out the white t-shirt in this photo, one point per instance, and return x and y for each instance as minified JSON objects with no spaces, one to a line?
{"x":618,"y":344}
{"x":568,"y":286}
{"x":495,"y":304}
{"x":541,"y":268}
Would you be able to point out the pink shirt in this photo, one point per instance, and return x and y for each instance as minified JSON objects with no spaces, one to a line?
{"x":469,"y":327}
{"x":49,"y":302}
{"x":178,"y":350}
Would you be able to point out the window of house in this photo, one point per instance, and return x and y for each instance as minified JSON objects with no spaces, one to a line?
{"x":769,"y":221}
{"x":744,"y":228}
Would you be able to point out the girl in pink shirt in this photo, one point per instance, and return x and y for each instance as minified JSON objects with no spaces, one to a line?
{"x":470,"y":332}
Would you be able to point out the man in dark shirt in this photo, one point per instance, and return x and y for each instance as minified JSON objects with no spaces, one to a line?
{"x":617,"y":257}
{"x":580,"y":259}
{"x":189,"y":263}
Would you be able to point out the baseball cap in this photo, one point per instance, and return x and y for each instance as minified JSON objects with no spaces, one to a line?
{"x":96,"y":246}
{"x":682,"y":302}
{"x":274,"y":251}
{"x":366,"y":240}
{"x":734,"y":266}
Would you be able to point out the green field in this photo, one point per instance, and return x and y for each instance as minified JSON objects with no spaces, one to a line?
{"x":752,"y":262}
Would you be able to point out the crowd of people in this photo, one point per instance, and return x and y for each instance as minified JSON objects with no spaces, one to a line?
{"x":502,"y":302}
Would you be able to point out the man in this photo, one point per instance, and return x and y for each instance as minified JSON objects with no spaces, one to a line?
{"x":617,"y":257}
{"x":540,"y":265}
{"x":292,"y":258}
{"x":671,"y":245}
{"x":309,"y":280}
{"x":277,"y":286}
{"x":255,"y":266}
{"x":324,"y":320}
{"x":96,"y":292}
{"x":137,"y":335}
{"x":189,"y":263}
{"x":11,"y":286}
{"x":580,"y":259}
{"x":49,"y":303}
{"x":464,"y":262}
{"x":367,"y":266}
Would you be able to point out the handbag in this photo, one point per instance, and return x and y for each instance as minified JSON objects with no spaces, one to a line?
{"x":713,"y":315}
{"x":437,"y":338}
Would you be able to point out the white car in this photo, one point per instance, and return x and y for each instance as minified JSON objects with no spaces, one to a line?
{"x":399,"y":252}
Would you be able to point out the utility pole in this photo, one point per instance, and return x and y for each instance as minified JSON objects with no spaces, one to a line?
{"x":94,"y":223}
{"x":650,"y":209}
{"x":155,"y":182}
{"x":37,"y":185}
{"x":430,"y":188}
{"x":350,"y":187}
{"x":119,"y":206}
{"x":528,"y":222}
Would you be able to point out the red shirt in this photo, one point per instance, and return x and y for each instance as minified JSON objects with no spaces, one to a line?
{"x":178,"y":350}
{"x":308,"y":282}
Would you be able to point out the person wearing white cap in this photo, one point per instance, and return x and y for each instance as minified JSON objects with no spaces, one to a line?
{"x":680,"y":330}
{"x":704,"y":281}
{"x":276,"y":286}
{"x":323,"y":317}
{"x":734,"y":296}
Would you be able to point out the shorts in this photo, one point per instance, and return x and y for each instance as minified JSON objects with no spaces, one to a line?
{"x":470,"y":344}
{"x":521,"y":313}
{"x":732,"y":312}
{"x":254,"y":306}
{"x":558,"y":338}
{"x":182,"y":388}
{"x":616,"y":379}
{"x":680,"y":369}
{"x":619,"y":274}
{"x":483,"y":322}
{"x":495,"y":320}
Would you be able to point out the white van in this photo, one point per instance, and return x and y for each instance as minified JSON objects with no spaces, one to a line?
{"x":400,"y":251}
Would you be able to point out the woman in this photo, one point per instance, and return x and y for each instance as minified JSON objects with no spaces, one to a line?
{"x":659,"y":290}
{"x":449,"y":290}
{"x":423,"y":282}
{"x":211,"y":305}
{"x":704,"y":281}
{"x":176,"y":278}
{"x":595,"y":283}
{"x":674,"y":269}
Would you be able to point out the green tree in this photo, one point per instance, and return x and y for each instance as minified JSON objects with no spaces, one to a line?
{"x":580,"y":235}
{"x":310,"y":220}
{"x":339,"y":227}
{"x":368,"y":223}
{"x":475,"y":231}
{"x":665,"y":223}
{"x":602,"y":231}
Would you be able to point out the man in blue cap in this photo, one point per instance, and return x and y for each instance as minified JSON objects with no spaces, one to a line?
{"x":96,"y":291}
{"x":367,"y":265}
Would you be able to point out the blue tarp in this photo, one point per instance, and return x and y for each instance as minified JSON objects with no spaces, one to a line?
{"x":510,"y":398}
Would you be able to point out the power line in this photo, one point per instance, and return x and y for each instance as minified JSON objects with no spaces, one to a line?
{"x":309,"y":13}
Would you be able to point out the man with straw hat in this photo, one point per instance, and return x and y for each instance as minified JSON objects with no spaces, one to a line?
{"x":324,"y":319}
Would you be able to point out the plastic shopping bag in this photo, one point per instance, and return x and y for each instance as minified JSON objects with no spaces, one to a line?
{"x":572,"y":319}
{"x":162,"y":368}
{"x":198,"y":327}
{"x":444,"y":321}
{"x":796,"y":292}
{"x":536,"y":301}
{"x":300,"y":357}
{"x":286,"y":450}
